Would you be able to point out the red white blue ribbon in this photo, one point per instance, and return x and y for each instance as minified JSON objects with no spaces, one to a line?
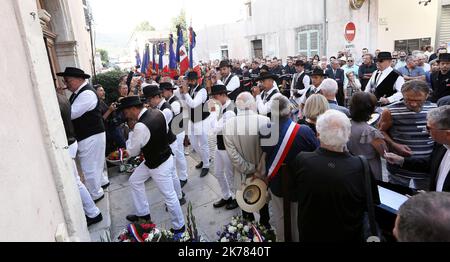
{"x":133,"y":231}
{"x":257,"y":234}
{"x":285,"y":146}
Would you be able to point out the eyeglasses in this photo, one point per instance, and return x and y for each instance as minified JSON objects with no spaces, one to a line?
{"x":429,"y":128}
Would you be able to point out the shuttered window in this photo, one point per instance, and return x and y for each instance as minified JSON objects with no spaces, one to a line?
{"x":308,"y":43}
{"x":444,"y":35}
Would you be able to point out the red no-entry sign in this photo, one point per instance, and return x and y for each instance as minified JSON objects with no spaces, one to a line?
{"x":350,"y":31}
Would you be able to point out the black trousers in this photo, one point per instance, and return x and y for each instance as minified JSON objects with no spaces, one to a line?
{"x":264,"y":216}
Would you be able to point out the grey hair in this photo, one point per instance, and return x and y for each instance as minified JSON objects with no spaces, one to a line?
{"x":334,"y":128}
{"x":281,"y":106}
{"x":410,"y":58}
{"x":329,"y":87}
{"x":416,"y":86}
{"x":425,"y":218}
{"x":246,"y":101}
{"x":440,"y":116}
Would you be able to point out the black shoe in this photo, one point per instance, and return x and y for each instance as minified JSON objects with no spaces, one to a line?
{"x":182,"y":201}
{"x":232,"y":205}
{"x":204,"y":172}
{"x":183,"y":194}
{"x":222,"y":203}
{"x":200,"y":165}
{"x":183,"y":183}
{"x":181,"y":230}
{"x":95,"y":220}
{"x":134,"y":218}
{"x":98,"y":200}
{"x":106,"y":186}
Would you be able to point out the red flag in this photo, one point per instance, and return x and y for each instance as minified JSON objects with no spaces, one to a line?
{"x":184,"y":60}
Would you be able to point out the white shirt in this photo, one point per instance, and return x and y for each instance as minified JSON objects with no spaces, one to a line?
{"x":398,"y":84}
{"x":233,"y":84}
{"x":264,"y":106}
{"x":426,"y":67}
{"x":168,"y":114}
{"x":176,"y":106}
{"x":217,"y":123}
{"x":306,"y":83}
{"x":199,"y":98}
{"x":444,"y":168}
{"x":85,"y":102}
{"x":303,"y":98}
{"x":138,"y":137}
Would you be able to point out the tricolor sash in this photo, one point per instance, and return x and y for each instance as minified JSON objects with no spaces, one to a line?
{"x":285,"y":146}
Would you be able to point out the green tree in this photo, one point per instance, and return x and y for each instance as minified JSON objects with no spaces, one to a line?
{"x":144,"y":27}
{"x":104,"y":56}
{"x":110,"y":82}
{"x":180,"y":20}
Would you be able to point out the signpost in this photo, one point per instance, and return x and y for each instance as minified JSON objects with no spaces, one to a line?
{"x":350,"y":32}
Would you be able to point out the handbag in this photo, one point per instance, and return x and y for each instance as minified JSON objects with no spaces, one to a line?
{"x":371,"y":231}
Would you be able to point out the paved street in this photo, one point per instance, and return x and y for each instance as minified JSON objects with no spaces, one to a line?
{"x":202,"y":192}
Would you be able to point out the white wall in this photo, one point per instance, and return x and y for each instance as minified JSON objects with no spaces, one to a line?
{"x":418,"y":21}
{"x":38,"y":189}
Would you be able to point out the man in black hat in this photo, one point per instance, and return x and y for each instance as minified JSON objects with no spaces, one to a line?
{"x":231,"y":81}
{"x":317,"y":76}
{"x":167,"y":90}
{"x":440,"y":81}
{"x":300,"y":81}
{"x":89,"y":128}
{"x":265,"y":93}
{"x":386,"y":83}
{"x":223,"y":167}
{"x":149,"y":134}
{"x":154,"y":99}
{"x":195,"y":99}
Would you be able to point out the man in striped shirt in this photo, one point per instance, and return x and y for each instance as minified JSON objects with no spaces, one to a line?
{"x":404,"y":127}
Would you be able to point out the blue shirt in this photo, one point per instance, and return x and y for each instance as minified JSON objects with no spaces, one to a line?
{"x":417,"y":71}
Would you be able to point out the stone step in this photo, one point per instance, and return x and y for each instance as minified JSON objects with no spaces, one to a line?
{"x":101,"y":232}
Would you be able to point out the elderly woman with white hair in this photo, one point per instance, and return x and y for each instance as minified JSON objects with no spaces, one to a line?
{"x":330,"y":186}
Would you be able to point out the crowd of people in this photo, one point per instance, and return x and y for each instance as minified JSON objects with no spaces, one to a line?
{"x":314,"y":115}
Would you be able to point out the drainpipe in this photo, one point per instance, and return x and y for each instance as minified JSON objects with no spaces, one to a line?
{"x":325,"y":28}
{"x":437,"y":39}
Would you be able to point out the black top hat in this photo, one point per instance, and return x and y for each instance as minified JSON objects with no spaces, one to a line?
{"x":444,"y":57}
{"x":384,"y":56}
{"x":218,"y":89}
{"x":317,"y":72}
{"x":266,"y":75}
{"x":224,"y":63}
{"x":265,"y":67}
{"x":192,"y":76}
{"x":129,"y":101}
{"x":74,"y":72}
{"x":166,"y":86}
{"x":151,"y":91}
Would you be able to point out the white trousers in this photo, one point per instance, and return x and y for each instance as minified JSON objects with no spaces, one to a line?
{"x":163,"y":178}
{"x":91,"y":152}
{"x":200,"y":144}
{"x":89,"y":207}
{"x":223,"y":171}
{"x":277,"y":218}
{"x":180,"y":159}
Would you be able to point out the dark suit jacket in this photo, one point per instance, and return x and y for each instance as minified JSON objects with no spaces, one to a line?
{"x":430,"y":165}
{"x":331,"y":196}
{"x":339,"y":77}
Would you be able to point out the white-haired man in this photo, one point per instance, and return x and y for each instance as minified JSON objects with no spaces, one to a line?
{"x":243,"y":144}
{"x":323,"y":175}
{"x":329,"y":89}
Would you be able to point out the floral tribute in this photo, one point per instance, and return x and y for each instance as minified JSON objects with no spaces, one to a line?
{"x":240,"y":230}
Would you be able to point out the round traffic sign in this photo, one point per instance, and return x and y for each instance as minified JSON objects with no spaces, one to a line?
{"x":350,"y":31}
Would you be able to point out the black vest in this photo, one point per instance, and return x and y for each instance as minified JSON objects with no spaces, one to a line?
{"x":91,"y":123}
{"x":233,"y":95}
{"x":157,"y":150}
{"x":386,"y":88}
{"x":171,"y":135}
{"x":196,"y":112}
{"x":299,"y":84}
{"x":269,"y":115}
{"x":171,"y":101}
{"x":441,"y":86}
{"x":220,"y":142}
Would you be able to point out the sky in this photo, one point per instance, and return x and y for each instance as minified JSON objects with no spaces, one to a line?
{"x":115,"y":20}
